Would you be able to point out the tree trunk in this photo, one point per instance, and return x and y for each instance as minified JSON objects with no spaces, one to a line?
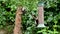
{"x":18,"y":26}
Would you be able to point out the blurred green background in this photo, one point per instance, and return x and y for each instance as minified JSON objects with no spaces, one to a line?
{"x":51,"y":16}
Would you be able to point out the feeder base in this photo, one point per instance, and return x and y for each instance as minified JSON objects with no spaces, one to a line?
{"x":40,"y":25}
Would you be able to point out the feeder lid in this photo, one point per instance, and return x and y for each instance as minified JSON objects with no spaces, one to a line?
{"x":41,"y":3}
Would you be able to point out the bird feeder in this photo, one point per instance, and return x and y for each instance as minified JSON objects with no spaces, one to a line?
{"x":41,"y":14}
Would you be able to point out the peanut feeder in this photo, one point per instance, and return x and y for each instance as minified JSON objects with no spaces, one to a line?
{"x":41,"y":14}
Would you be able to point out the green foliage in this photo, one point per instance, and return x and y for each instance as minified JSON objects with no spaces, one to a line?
{"x":51,"y":15}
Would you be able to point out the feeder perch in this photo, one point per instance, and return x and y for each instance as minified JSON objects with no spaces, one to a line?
{"x":41,"y":14}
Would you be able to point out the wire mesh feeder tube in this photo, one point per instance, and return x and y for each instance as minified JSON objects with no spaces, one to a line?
{"x":17,"y":28}
{"x":41,"y":15}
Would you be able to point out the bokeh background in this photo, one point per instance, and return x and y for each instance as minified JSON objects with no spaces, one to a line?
{"x":51,"y":16}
